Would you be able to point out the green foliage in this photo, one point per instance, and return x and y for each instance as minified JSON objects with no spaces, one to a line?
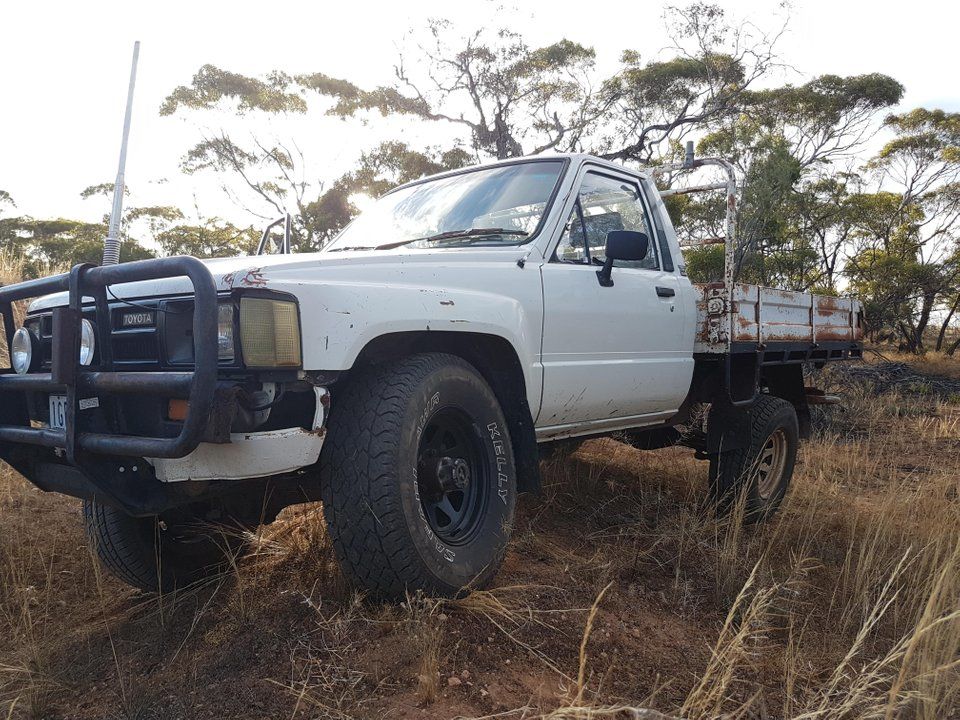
{"x":328,"y":215}
{"x":670,"y":88}
{"x":394,"y":163}
{"x":211,"y":238}
{"x":102,"y":189}
{"x":351,"y":99}
{"x":908,"y":260}
{"x":705,"y":264}
{"x":274,"y":175}
{"x":211,"y":85}
{"x":827,"y":99}
{"x":652,"y":105}
{"x":934,"y":135}
{"x":220,"y":154}
{"x":513,"y":91}
{"x":57,"y":244}
{"x":826,"y":117}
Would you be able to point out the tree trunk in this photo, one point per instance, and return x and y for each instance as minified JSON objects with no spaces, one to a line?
{"x":953,"y":348}
{"x":909,"y":334}
{"x":915,"y":341}
{"x":946,"y":323}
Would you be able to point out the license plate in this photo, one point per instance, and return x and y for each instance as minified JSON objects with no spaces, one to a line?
{"x":58,"y":412}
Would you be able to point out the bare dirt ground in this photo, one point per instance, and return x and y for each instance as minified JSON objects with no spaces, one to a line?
{"x":620,"y":591}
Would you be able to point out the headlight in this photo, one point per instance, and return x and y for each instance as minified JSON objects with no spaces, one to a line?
{"x":88,"y":342}
{"x":21,"y":355}
{"x":269,"y":332}
{"x":225,"y":332}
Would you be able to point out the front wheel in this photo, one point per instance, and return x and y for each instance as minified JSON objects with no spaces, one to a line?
{"x":759,"y":474}
{"x":155,"y":554}
{"x":418,"y":479}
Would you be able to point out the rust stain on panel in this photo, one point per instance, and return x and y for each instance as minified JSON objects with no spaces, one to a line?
{"x":833,"y":332}
{"x":252,"y":277}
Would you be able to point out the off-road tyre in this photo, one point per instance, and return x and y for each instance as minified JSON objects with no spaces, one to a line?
{"x":759,"y":474}
{"x":379,"y":477}
{"x":152,"y":555}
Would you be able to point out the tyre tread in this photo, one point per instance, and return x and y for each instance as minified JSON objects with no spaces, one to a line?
{"x":364,"y":514}
{"x":116,"y":539}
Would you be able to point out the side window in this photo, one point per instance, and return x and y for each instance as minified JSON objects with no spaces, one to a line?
{"x":611,"y":204}
{"x":571,"y":247}
{"x":666,"y":259}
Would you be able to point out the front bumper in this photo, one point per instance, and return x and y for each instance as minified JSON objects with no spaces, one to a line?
{"x":251,"y":454}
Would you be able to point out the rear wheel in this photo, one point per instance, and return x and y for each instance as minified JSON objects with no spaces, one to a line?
{"x":759,"y":474}
{"x":418,"y":478}
{"x":153,"y":554}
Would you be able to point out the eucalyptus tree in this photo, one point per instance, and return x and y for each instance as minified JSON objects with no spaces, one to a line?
{"x":264,"y":178}
{"x":509,"y":98}
{"x":908,"y":261}
{"x":793,"y":224}
{"x":698,"y":81}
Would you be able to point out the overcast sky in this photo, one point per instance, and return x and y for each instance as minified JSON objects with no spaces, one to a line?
{"x":65,"y":66}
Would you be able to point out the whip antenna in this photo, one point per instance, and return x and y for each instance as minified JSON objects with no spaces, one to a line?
{"x":111,"y":246}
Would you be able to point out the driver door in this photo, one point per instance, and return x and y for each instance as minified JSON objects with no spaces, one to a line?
{"x":612,"y":356}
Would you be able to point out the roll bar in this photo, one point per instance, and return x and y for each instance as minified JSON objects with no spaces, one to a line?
{"x":285,"y":247}
{"x":730,"y":186}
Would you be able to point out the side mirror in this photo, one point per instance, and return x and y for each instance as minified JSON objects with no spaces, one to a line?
{"x":622,"y":245}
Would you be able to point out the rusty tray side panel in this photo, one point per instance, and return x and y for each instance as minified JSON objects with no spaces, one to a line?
{"x":713,"y":324}
{"x":767,"y":315}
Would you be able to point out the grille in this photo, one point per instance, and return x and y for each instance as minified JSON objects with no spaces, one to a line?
{"x":159,"y":334}
{"x":140,"y":347}
{"x":137,"y":346}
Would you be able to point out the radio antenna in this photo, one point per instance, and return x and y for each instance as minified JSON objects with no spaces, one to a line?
{"x":111,"y":246}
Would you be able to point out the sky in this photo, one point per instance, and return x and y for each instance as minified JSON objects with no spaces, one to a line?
{"x":64,"y":69}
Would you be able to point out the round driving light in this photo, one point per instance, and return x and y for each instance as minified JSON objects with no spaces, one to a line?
{"x":21,"y":355}
{"x":88,"y":342}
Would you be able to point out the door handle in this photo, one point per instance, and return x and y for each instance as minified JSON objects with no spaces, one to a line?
{"x":665,"y":291}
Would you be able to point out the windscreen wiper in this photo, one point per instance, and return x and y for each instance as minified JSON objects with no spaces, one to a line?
{"x":454,"y":235}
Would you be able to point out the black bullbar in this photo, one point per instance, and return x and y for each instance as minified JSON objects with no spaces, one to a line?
{"x":69,"y":377}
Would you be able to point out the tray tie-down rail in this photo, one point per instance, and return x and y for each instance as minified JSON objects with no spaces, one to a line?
{"x":68,"y":377}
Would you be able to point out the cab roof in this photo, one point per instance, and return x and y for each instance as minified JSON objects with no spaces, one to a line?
{"x":572,"y":159}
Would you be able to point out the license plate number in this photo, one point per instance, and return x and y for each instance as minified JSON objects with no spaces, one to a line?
{"x":58,"y":411}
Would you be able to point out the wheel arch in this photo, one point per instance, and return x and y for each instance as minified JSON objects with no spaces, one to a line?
{"x":710,"y":385}
{"x":497,"y":361}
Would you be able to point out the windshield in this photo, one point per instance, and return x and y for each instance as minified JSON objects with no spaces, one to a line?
{"x":490,"y":206}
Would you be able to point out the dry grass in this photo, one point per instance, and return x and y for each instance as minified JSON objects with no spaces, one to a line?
{"x":847,"y":604}
{"x":622,"y":597}
{"x":933,"y":363}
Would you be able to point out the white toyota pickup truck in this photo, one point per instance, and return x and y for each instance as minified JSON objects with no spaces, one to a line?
{"x":408,"y":375}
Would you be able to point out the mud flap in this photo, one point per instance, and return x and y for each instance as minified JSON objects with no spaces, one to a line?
{"x":728,"y":426}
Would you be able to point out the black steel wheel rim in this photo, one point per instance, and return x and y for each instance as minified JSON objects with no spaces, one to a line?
{"x":453,"y":473}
